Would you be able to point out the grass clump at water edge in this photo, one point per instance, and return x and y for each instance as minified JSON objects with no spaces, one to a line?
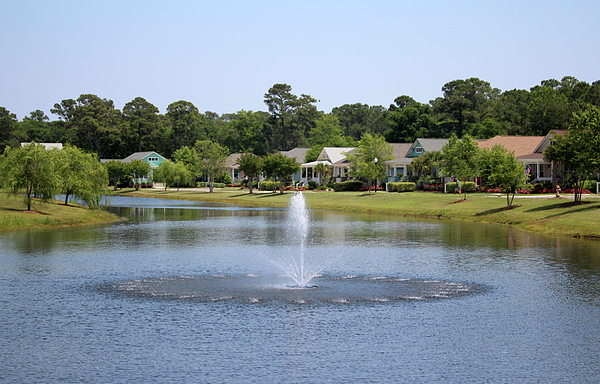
{"x":15,"y":216}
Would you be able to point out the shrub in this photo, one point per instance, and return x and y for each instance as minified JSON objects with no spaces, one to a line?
{"x":269,"y":185}
{"x":401,"y":187}
{"x":224,"y":178}
{"x":348,"y":186}
{"x":467,"y":187}
{"x":245,"y":183}
{"x":372,"y":188}
{"x":312,"y":185}
{"x":590,"y":185}
{"x":204,"y":184}
{"x":572,"y":190}
{"x":433,"y":187}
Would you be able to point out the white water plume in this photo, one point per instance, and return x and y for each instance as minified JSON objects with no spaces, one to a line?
{"x":299,"y":264}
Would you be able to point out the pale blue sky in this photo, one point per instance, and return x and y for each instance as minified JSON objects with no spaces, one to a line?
{"x":224,"y":55}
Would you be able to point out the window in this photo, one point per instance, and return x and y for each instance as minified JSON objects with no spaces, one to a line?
{"x":153,"y":159}
{"x":419,"y":149}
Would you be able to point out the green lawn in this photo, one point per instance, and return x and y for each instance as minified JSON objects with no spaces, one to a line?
{"x":14,"y":215}
{"x":550,"y":215}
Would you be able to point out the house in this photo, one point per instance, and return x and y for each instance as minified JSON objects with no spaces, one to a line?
{"x":334,"y":158}
{"x":47,"y":145}
{"x":539,"y":168}
{"x":298,"y":154}
{"x":420,"y":146}
{"x":152,"y":158}
{"x":232,"y":167}
{"x":397,"y":168}
{"x":528,"y":150}
{"x":342,"y":167}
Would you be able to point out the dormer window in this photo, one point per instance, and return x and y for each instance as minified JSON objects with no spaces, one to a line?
{"x":419,"y":149}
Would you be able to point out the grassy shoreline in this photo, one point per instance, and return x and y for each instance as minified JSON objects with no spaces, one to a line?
{"x":541,"y":214}
{"x":14,"y":215}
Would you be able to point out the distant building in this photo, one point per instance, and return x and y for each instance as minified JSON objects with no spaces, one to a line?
{"x":47,"y":145}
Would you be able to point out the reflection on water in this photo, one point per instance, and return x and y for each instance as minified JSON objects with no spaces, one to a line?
{"x":184,"y":292}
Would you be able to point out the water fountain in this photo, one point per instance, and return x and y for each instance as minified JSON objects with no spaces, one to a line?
{"x":297,"y":264}
{"x":300,"y":277}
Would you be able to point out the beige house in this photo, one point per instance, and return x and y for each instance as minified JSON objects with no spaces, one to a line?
{"x":397,"y":168}
{"x":232,"y":167}
{"x":529,"y":150}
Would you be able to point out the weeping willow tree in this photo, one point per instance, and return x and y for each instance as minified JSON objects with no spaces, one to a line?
{"x":30,"y":171}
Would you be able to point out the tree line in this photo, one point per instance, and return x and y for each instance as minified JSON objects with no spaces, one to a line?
{"x":470,"y":106}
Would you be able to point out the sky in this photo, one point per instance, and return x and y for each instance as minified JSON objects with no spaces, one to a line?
{"x":223,"y":56}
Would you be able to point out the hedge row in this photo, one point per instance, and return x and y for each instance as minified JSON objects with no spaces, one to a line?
{"x":204,"y":184}
{"x":348,"y":186}
{"x":401,"y":187}
{"x":269,"y":185}
{"x":467,"y":187}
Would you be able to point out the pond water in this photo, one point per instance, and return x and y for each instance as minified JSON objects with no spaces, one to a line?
{"x":186,"y":292}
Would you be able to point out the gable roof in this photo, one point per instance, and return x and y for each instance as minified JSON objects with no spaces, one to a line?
{"x":296,"y":153}
{"x":232,"y":161}
{"x":334,"y":154}
{"x":139,"y":156}
{"x":520,"y":145}
{"x":400,"y":150}
{"x":548,"y":138}
{"x":431,"y":145}
{"x":344,"y":160}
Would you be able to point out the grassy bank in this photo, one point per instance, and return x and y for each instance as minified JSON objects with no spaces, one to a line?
{"x":549,"y":215}
{"x":14,"y":215}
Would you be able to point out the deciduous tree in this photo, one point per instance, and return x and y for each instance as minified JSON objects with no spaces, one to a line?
{"x":138,"y":170}
{"x":579,"y":149}
{"x":363,"y":158}
{"x":503,"y":171}
{"x":280,"y":167}
{"x":115,"y":170}
{"x":461,"y":158}
{"x":252,"y":166}
{"x":211,"y":159}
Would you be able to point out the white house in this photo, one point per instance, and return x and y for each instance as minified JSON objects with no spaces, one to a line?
{"x":330,"y":156}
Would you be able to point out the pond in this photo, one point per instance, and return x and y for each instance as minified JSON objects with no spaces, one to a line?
{"x":188,"y":292}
